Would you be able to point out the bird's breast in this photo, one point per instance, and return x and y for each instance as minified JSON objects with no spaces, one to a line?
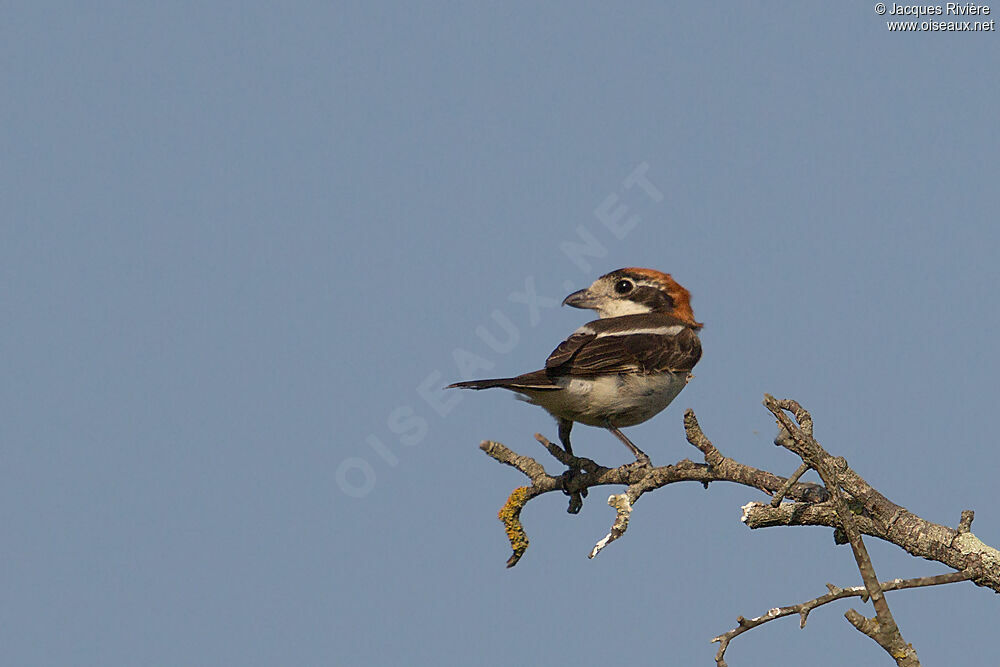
{"x":625,"y":400}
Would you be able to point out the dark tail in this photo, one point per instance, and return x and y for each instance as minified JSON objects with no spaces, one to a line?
{"x":536,"y":381}
{"x":482,"y":384}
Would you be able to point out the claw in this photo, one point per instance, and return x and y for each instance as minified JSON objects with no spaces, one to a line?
{"x":568,"y":477}
{"x":575,"y":497}
{"x":641,"y":462}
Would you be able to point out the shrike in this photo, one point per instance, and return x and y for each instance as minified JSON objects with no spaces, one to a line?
{"x":619,"y":370}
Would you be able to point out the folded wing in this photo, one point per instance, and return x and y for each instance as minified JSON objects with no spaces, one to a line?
{"x":631,"y":344}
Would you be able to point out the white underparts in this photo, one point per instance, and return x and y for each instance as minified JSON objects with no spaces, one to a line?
{"x":625,"y":399}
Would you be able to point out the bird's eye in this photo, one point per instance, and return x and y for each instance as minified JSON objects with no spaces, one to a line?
{"x":623,"y":286}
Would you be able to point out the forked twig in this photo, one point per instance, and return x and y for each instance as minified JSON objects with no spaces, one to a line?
{"x":834,"y":594}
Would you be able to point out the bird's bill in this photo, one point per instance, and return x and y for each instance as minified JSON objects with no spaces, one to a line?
{"x":581,"y":299}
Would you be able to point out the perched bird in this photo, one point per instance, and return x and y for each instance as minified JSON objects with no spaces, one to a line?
{"x":619,"y":370}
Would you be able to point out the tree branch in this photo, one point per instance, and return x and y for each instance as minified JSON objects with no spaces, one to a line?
{"x":834,"y":594}
{"x":638,"y":479}
{"x":845,"y":502}
{"x":883,"y":628}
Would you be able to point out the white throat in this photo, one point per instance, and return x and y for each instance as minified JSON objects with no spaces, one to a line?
{"x":619,"y":307}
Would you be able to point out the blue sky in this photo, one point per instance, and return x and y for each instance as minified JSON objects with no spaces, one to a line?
{"x":243,"y":244}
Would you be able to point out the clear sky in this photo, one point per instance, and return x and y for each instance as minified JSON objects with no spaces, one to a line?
{"x":242,"y":245}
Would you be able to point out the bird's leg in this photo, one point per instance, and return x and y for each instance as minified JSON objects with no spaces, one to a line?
{"x":565,"y":426}
{"x":640,"y":456}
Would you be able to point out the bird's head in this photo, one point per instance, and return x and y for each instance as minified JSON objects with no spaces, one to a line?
{"x":634,"y":291}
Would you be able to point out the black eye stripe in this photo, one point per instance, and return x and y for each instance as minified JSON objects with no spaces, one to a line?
{"x":654,"y":298}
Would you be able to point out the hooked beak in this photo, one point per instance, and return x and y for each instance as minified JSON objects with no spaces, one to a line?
{"x":580,"y":299}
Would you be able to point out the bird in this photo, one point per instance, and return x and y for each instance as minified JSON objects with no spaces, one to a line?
{"x":619,"y":370}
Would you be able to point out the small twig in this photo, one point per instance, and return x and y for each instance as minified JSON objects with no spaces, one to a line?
{"x":531,"y":468}
{"x":623,"y":507}
{"x":734,"y":471}
{"x":965,"y":524}
{"x":557,"y":452}
{"x":697,"y":438}
{"x":870,"y":627}
{"x":835,"y":593}
{"x":780,"y":495}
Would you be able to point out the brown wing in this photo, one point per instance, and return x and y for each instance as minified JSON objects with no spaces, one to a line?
{"x":569,"y":347}
{"x":590,"y":354}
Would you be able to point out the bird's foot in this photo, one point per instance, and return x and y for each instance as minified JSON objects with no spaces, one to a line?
{"x":576,"y":495}
{"x":641,"y":462}
{"x":568,"y":479}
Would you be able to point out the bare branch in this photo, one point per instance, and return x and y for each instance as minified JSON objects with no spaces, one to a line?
{"x":730,"y":470}
{"x":638,"y":479}
{"x":529,"y":466}
{"x":884,"y":629}
{"x":802,"y":609}
{"x":845,"y":502}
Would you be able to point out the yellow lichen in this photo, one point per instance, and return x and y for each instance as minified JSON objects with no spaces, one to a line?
{"x":510,"y":514}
